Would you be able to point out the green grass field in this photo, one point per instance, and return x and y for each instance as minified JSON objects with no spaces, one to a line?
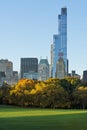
{"x":15,"y":118}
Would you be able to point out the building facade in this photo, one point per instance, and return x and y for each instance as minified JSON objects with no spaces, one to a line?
{"x":84,"y":78}
{"x":60,"y":68}
{"x":15,"y":76}
{"x":59,"y":49}
{"x":28,"y":65}
{"x":51,"y":59}
{"x":43,"y":69}
{"x":7,"y":67}
{"x":2,"y":78}
{"x":31,"y":75}
{"x":7,"y":73}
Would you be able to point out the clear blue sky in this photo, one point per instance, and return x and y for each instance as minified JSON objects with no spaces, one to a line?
{"x":27,"y":28}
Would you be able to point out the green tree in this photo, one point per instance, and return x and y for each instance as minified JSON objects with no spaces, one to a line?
{"x":4,"y":93}
{"x":80,"y":97}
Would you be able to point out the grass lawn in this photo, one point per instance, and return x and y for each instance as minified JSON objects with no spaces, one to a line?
{"x":15,"y":118}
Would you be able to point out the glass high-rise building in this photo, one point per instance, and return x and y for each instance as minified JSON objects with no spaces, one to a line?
{"x":59,"y":49}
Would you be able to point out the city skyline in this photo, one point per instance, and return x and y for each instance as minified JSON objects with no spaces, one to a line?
{"x":27,"y":28}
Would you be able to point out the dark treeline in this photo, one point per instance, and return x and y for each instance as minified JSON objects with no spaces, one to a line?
{"x":69,"y":93}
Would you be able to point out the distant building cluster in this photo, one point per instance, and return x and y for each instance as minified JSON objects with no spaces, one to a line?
{"x":41,"y":70}
{"x":30,"y":68}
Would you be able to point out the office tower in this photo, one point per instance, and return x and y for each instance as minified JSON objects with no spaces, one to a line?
{"x":84,"y":78}
{"x":43,"y":70}
{"x":7,"y":67}
{"x":6,"y":71}
{"x":28,"y":66}
{"x":15,"y":76}
{"x":73,"y":73}
{"x":59,"y":49}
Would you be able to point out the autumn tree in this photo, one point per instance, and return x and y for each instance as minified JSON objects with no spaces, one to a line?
{"x":20,"y":93}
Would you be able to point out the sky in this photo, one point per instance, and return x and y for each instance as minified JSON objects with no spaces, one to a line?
{"x":27,"y":28}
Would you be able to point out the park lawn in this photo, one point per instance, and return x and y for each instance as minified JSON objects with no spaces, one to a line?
{"x":16,"y":118}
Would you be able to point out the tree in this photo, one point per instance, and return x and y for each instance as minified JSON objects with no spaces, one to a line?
{"x":20,"y":94}
{"x":80,"y":97}
{"x":4,"y":93}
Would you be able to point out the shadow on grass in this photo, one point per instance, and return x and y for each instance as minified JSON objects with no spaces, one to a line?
{"x":51,"y":122}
